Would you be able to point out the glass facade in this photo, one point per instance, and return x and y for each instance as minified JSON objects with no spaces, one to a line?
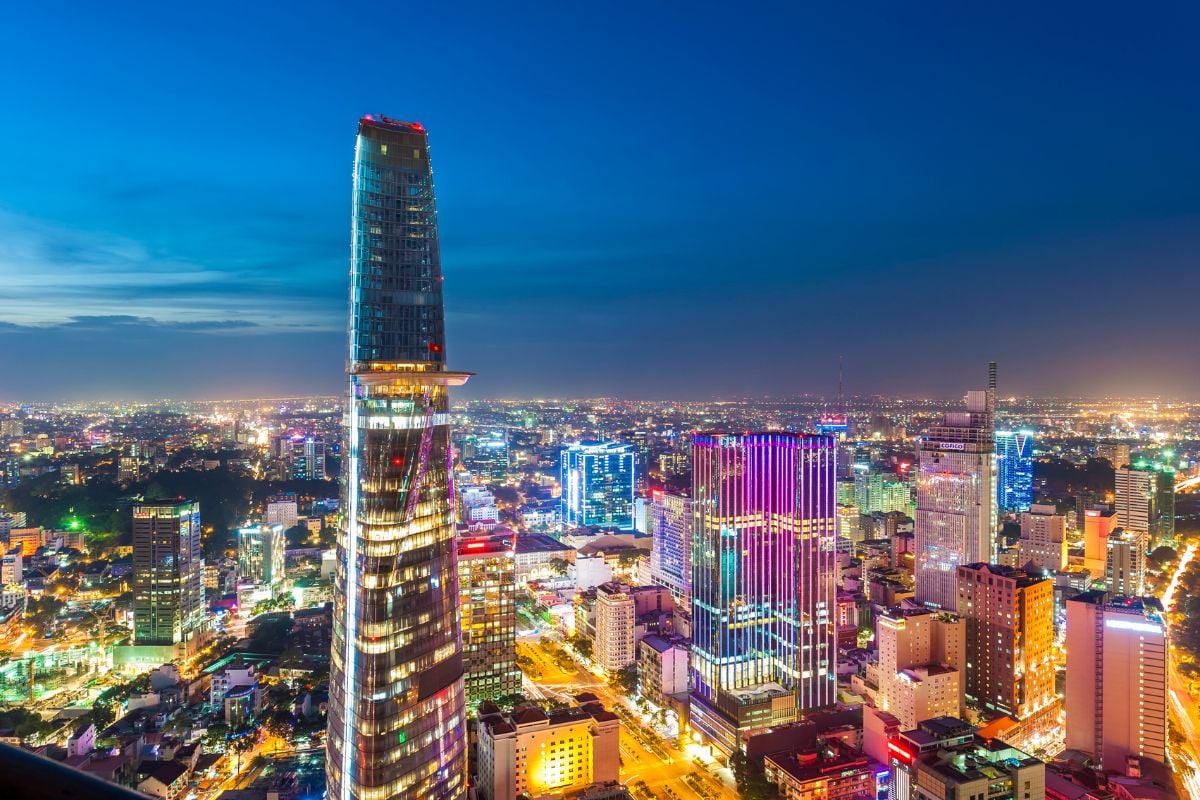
{"x":671,"y":552}
{"x":168,"y":564}
{"x":763,"y":570}
{"x":396,"y":714}
{"x":956,"y":517}
{"x":1014,"y":470}
{"x":487,"y":584}
{"x":598,"y":480}
{"x":261,"y":553}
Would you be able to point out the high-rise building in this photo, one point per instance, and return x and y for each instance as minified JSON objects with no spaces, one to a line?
{"x":1116,"y":694}
{"x":307,"y":458}
{"x":1136,"y":490}
{"x":282,"y":509}
{"x":1043,"y":540}
{"x":1010,"y":638}
{"x":921,"y":658}
{"x":1098,"y":523}
{"x":1014,"y":470}
{"x":396,"y":698}
{"x":487,"y":586}
{"x":486,"y":455}
{"x":956,"y":499}
{"x":874,"y":491}
{"x":261,"y":553}
{"x":671,"y":550}
{"x":1125,"y":566}
{"x":763,"y":580}
{"x":127,"y":469}
{"x":168,"y":595}
{"x":1117,"y":453}
{"x":598,"y":482}
{"x":1164,"y":503}
{"x":616,"y":617}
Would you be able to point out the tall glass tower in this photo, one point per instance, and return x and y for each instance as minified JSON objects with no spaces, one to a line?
{"x":763,"y":581}
{"x":1014,"y":470}
{"x":956,"y":498}
{"x":396,"y":715}
{"x":598,"y":480}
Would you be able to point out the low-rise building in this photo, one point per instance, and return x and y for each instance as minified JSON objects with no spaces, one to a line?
{"x":535,"y":753}
{"x":944,"y":759}
{"x":832,"y":770}
{"x":662,"y":668}
{"x":534,"y":555}
{"x":168,"y":781}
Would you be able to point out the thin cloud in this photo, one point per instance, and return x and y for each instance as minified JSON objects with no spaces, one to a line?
{"x":57,"y":275}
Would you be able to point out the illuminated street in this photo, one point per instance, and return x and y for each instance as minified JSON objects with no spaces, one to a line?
{"x":646,"y":758}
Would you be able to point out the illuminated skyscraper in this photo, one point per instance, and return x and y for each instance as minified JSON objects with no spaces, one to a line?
{"x":487,"y":585}
{"x":261,"y":553}
{"x":1136,"y":491}
{"x":1125,"y":566}
{"x":671,"y":551}
{"x":307,"y":456}
{"x":168,"y":597}
{"x":956,"y":499}
{"x":396,"y":711}
{"x":1010,"y":638}
{"x":1014,"y":470}
{"x":763,"y":575}
{"x":597,"y":485}
{"x":1117,"y":692}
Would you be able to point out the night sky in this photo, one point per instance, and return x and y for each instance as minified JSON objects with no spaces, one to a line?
{"x":652,"y":200}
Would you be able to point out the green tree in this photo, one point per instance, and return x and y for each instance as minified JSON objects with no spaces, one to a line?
{"x":215,"y":735}
{"x":625,"y":679}
{"x":751,"y":782}
{"x":280,"y":724}
{"x":511,"y":701}
{"x":297,"y":535}
{"x":583,"y":646}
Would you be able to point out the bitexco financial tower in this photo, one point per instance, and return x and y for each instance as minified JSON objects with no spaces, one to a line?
{"x":396,"y":712}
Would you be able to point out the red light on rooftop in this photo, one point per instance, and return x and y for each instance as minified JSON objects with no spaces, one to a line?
{"x":901,"y":753}
{"x":416,"y":126}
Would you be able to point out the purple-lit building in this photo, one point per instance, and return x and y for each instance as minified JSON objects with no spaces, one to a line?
{"x":763,"y":581}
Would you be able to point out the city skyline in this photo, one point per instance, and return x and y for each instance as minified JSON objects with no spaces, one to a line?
{"x":856,"y":180}
{"x":716,"y":513}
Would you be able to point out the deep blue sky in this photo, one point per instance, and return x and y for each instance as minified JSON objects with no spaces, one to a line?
{"x":648,"y":200}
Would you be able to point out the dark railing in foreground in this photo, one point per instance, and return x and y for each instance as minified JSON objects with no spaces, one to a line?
{"x":26,"y":776}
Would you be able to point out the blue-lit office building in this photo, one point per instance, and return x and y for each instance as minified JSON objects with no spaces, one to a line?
{"x":598,"y":480}
{"x":1014,"y":470}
